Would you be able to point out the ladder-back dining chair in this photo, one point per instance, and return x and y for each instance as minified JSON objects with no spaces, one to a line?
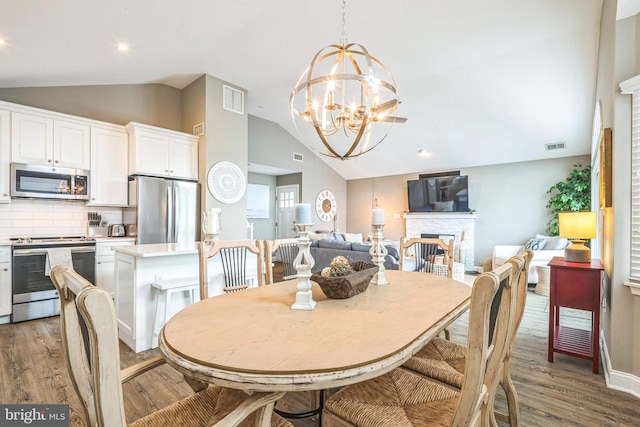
{"x":445,"y":361}
{"x":403,"y":398}
{"x":90,"y":342}
{"x":234,"y":258}
{"x":425,"y":253}
{"x":285,"y":251}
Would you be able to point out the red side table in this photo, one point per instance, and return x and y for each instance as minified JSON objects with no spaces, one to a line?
{"x":575,"y":285}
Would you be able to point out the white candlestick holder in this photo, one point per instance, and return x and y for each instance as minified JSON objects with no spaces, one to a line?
{"x":303,"y":263}
{"x":378,"y":253}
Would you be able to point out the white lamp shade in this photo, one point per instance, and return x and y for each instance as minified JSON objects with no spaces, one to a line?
{"x":577,"y":225}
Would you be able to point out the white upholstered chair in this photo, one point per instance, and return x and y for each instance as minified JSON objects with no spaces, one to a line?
{"x":90,"y":342}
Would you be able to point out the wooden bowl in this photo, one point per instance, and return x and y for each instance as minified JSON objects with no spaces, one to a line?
{"x":347,"y":286}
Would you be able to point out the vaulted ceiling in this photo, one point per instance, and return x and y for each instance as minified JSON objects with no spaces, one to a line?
{"x":480,"y":82}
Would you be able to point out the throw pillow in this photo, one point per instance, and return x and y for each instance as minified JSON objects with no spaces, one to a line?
{"x":353,"y":237}
{"x":535,"y":244}
{"x":553,"y":242}
{"x":334,"y":244}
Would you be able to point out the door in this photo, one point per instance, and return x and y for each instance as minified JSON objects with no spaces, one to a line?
{"x":186,"y":212}
{"x":71,"y":145}
{"x":286,"y":197}
{"x":109,"y":168}
{"x":153,"y":208}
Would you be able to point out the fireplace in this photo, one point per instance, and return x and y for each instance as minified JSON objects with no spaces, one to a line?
{"x":442,"y":224}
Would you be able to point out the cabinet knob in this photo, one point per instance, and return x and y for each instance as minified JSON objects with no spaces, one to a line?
{"x":99,"y":262}
{"x":49,"y":160}
{"x":57,"y":161}
{"x":5,"y":269}
{"x":5,"y":194}
{"x":171,"y":171}
{"x":93,"y":198}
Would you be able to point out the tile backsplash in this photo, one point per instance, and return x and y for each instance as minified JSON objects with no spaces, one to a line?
{"x":47,"y":218}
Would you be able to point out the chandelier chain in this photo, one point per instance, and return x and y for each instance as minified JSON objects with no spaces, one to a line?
{"x":343,"y":38}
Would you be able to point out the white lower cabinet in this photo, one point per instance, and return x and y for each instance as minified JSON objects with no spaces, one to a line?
{"x":5,"y":283}
{"x":105,"y":263}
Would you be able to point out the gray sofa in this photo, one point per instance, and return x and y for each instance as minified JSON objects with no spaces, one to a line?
{"x":324,"y":250}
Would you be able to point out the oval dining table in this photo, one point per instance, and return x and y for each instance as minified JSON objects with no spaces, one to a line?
{"x":252,"y":339}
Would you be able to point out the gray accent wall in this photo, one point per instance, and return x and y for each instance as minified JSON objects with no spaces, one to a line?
{"x":152,"y":104}
{"x":271,"y":145}
{"x":509,"y":200}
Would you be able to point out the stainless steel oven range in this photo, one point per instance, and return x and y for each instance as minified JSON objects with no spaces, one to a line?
{"x":34,"y":295}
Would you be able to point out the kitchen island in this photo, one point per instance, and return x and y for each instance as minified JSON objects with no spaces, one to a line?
{"x":138,"y":266}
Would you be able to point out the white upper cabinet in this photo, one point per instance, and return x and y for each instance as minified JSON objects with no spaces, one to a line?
{"x":109,"y":169}
{"x":42,"y":140}
{"x":162,"y":152}
{"x":5,"y":156}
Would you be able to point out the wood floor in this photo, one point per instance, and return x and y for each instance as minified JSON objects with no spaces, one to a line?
{"x":563,"y":393}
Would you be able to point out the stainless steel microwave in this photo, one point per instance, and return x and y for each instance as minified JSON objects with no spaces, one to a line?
{"x":49,"y":182}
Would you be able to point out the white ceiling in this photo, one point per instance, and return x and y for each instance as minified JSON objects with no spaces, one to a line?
{"x":480,"y":82}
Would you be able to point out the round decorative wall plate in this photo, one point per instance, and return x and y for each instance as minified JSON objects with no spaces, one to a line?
{"x":326,"y":205}
{"x":226,"y":182}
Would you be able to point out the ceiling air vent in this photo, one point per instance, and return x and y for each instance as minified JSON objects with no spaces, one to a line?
{"x":297,"y":157}
{"x":233,"y":99}
{"x":198,"y":129}
{"x":555,"y":146}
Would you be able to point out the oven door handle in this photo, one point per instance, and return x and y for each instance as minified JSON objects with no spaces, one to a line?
{"x":30,"y":252}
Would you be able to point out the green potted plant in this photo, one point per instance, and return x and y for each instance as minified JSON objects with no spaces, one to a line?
{"x":571,"y":195}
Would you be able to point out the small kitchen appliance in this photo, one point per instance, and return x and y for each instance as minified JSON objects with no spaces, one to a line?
{"x":116,"y":230}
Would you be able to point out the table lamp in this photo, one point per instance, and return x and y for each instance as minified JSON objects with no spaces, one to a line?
{"x":577,"y":226}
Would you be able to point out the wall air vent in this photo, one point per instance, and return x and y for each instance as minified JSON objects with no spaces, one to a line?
{"x":198,"y":129}
{"x":297,"y":157}
{"x":232,"y":99}
{"x":555,"y":146}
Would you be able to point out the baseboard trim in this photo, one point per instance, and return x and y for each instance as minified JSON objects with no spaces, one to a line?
{"x":617,"y":380}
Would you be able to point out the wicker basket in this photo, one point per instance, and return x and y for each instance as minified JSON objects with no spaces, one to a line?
{"x":347,"y":286}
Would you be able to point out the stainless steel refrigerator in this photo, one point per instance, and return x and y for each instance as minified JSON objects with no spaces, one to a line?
{"x":164,"y":210}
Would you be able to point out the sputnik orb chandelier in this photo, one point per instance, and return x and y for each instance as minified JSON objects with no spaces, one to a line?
{"x":345,"y":94}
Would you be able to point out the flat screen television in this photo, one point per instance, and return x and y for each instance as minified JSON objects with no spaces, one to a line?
{"x":439,"y":194}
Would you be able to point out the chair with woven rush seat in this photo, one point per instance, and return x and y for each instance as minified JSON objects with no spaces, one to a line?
{"x":404,"y":398}
{"x":425,"y":251}
{"x":286,"y":251}
{"x":90,"y":342}
{"x":445,"y":361}
{"x":233,"y":257}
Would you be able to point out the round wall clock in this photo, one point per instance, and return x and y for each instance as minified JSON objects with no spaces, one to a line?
{"x":326,"y":205}
{"x":226,"y":182}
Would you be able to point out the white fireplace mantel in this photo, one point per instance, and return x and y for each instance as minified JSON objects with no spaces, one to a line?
{"x":438,"y":215}
{"x":458,"y":224}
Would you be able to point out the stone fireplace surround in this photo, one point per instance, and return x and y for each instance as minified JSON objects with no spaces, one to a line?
{"x":417,"y":224}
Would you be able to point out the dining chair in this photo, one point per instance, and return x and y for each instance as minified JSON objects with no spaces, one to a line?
{"x":285,"y":251}
{"x":405,"y":398}
{"x":233,"y":255}
{"x":90,"y":342}
{"x":445,"y":361}
{"x":425,"y":250}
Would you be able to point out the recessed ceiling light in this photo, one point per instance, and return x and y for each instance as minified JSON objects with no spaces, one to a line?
{"x":2,"y":42}
{"x":123,"y":47}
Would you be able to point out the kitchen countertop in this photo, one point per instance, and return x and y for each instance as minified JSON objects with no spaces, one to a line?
{"x":114,"y":239}
{"x":158,"y":249}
